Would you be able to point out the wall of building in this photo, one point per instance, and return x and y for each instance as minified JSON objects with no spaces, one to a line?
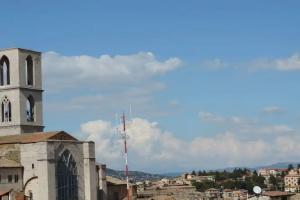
{"x":14,"y":184}
{"x":18,"y":91}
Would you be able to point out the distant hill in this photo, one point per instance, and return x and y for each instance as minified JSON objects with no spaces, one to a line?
{"x":141,"y":176}
{"x":279,"y":165}
{"x":172,"y":174}
{"x":134,"y":175}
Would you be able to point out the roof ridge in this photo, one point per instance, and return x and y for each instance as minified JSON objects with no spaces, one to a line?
{"x":36,"y":137}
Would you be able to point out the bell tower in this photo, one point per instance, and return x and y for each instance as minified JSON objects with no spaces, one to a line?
{"x":21,"y":91}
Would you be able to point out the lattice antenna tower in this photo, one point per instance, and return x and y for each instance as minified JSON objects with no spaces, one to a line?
{"x":122,"y":128}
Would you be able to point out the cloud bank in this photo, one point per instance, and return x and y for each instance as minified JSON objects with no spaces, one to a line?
{"x":73,"y":71}
{"x":157,"y":150}
{"x":291,"y":63}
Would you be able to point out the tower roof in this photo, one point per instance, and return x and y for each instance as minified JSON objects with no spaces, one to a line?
{"x":36,"y":137}
{"x":21,"y":49}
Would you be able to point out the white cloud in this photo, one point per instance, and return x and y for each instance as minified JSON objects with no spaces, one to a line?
{"x":105,"y":84}
{"x":280,"y":64}
{"x":75,"y":71}
{"x":156,"y":150}
{"x":218,"y":119}
{"x":244,"y":125}
{"x":273,"y":110}
{"x":215,"y":63}
{"x":291,"y":63}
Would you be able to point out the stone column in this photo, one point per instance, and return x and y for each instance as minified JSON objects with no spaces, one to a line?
{"x":46,"y":171}
{"x":102,"y":181}
{"x":90,"y":186}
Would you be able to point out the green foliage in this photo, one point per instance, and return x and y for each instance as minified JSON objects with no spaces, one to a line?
{"x":202,"y":186}
{"x":276,"y":182}
{"x":239,"y":178}
{"x":290,"y":167}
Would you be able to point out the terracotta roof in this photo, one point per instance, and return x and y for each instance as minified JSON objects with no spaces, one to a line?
{"x":4,"y":162}
{"x":212,"y":189}
{"x":277,"y":194}
{"x":36,"y":137}
{"x":115,"y":181}
{"x":4,"y":192}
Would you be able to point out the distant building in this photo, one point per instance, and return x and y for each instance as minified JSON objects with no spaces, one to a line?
{"x":117,"y":189}
{"x":291,"y":182}
{"x":267,"y":172}
{"x":196,"y":178}
{"x":240,"y":194}
{"x":229,"y":194}
{"x":273,"y":195}
{"x":213,"y":194}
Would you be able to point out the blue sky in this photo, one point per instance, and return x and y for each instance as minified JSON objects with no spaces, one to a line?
{"x":218,"y":79}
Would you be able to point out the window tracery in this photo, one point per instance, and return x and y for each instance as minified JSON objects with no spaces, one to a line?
{"x":6,"y":110}
{"x":66,"y":176}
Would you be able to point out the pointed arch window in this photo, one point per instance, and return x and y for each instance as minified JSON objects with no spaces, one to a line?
{"x":66,"y":176}
{"x":6,"y":110}
{"x":29,"y":70}
{"x":4,"y":71}
{"x":30,"y":109}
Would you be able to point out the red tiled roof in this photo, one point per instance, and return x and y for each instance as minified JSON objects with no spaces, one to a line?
{"x":114,"y":181}
{"x":277,"y":194}
{"x":36,"y":137}
{"x":4,"y":192}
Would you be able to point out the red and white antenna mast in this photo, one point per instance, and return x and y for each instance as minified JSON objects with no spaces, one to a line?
{"x":125,"y":154}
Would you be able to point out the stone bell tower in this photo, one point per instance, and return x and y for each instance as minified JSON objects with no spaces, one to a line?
{"x":21,"y":109}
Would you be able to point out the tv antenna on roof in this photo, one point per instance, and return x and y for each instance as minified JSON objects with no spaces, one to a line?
{"x":257,"y":190}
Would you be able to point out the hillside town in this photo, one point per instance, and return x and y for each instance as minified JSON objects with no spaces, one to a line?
{"x":276,"y":183}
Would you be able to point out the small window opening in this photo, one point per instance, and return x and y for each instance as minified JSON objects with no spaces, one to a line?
{"x":4,"y":71}
{"x":29,"y":70}
{"x":6,"y":110}
{"x":9,"y":178}
{"x":30,"y":109}
{"x":16,"y":178}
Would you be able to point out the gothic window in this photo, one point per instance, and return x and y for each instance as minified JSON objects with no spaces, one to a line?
{"x":29,"y":70}
{"x":6,"y":110}
{"x":4,"y":71}
{"x":30,"y":109}
{"x":66,"y":176}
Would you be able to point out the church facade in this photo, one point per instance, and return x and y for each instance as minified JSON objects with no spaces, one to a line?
{"x":40,"y":165}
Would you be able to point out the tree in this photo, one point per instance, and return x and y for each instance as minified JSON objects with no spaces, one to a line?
{"x":290,"y":167}
{"x":202,"y":186}
{"x":193,"y":173}
{"x":255,"y":173}
{"x":274,"y":181}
